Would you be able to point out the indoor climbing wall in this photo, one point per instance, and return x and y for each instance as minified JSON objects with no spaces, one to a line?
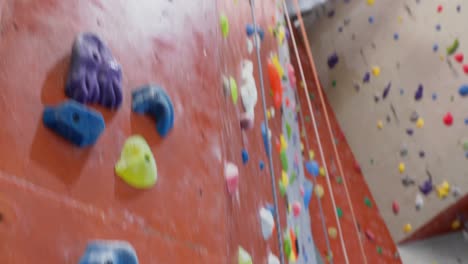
{"x":395,"y":75}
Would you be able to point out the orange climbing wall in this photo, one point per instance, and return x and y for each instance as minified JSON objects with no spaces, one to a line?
{"x":381,"y":249}
{"x":55,"y":197}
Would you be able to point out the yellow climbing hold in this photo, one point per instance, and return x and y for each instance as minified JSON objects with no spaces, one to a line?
{"x":322,"y":171}
{"x":277,"y":64}
{"x":285,"y":179}
{"x":379,"y":124}
{"x":376,"y":70}
{"x":370,"y":2}
{"x":283,"y":142}
{"x":420,"y":123}
{"x":280,"y":34}
{"x":441,"y":57}
{"x":302,"y":146}
{"x":319,"y":191}
{"x":136,"y":165}
{"x":400,"y":19}
{"x":443,"y":190}
{"x":401,"y":167}
{"x":311,"y":155}
{"x":456,"y":224}
{"x":234,"y":91}
{"x":332,"y":232}
{"x":407,"y":228}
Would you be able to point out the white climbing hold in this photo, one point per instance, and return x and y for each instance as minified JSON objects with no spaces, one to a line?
{"x":232,"y":177}
{"x":419,"y":202}
{"x":272,"y":259}
{"x":250,"y":46}
{"x":244,"y":257}
{"x":267,"y":223}
{"x":248,"y":90}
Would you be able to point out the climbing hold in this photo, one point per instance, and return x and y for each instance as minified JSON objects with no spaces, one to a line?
{"x":386,"y":90}
{"x":233,"y":89}
{"x":332,"y":232}
{"x":95,"y":76}
{"x":396,"y":36}
{"x":434,"y":96}
{"x":313,"y":168}
{"x":288,"y":130}
{"x":231,"y":173}
{"x":438,"y":27}
{"x":339,"y":212}
{"x":439,"y":9}
{"x":367,"y":202}
{"x":136,"y":165}
{"x":407,"y":181}
{"x":245,"y":156}
{"x":243,"y":257}
{"x":401,"y":167}
{"x":458,"y":8}
{"x":419,"y":201}
{"x":272,"y":259}
{"x":463,"y":91}
{"x":248,"y":90}
{"x":332,"y":60}
{"x":284,"y":160}
{"x":376,"y":71}
{"x":224,"y":22}
{"x":307,"y":196}
{"x":395,"y":207}
{"x":453,"y":48}
{"x":379,"y":250}
{"x":267,"y":223}
{"x":266,"y":135}
{"x":370,"y":2}
{"x":261,"y":165}
{"x":366,"y":77}
{"x":420,"y":123}
{"x":312,"y":154}
{"x":435,"y":47}
{"x":448,"y":119}
{"x":74,"y":122}
{"x":370,"y":235}
{"x":250,"y":46}
{"x":465,"y":68}
{"x":371,"y":20}
{"x":455,"y":224}
{"x":246,"y":120}
{"x":296,"y":208}
{"x":284,"y":178}
{"x":419,"y":93}
{"x":292,"y":178}
{"x":443,"y":190}
{"x":409,"y":131}
{"x":407,"y":228}
{"x":275,"y":83}
{"x":404,"y":151}
{"x":414,"y":117}
{"x":380,"y":124}
{"x":116,"y":252}
{"x":251,"y":30}
{"x":459,"y":57}
{"x":292,"y":76}
{"x":153,"y":100}
{"x":322,"y":172}
{"x":319,"y":192}
{"x":426,"y":187}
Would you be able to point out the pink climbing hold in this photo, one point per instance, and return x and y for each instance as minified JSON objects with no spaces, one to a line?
{"x":370,"y":235}
{"x":232,"y":177}
{"x":465,"y":68}
{"x":459,"y":57}
{"x":448,"y":119}
{"x":296,"y":208}
{"x":292,"y":76}
{"x":301,"y":191}
{"x":439,"y":9}
{"x":395,"y":207}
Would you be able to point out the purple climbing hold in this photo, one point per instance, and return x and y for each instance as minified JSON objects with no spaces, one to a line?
{"x":422,"y":154}
{"x":426,"y":187}
{"x":463,"y":91}
{"x":386,"y":90}
{"x":95,"y":76}
{"x":419,"y":92}
{"x":409,"y":131}
{"x":366,"y":77}
{"x":333,"y":60}
{"x":331,"y":13}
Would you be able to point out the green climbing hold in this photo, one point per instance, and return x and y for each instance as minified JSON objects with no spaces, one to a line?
{"x":334,"y":83}
{"x":244,"y":257}
{"x":288,"y":130}
{"x":234,"y":92}
{"x":224,"y":22}
{"x":368,"y":202}
{"x":339,"y":212}
{"x":465,"y":145}
{"x":379,"y":250}
{"x":292,"y":178}
{"x":307,"y":119}
{"x":287,"y":244}
{"x":372,"y":161}
{"x":284,"y":160}
{"x":339,"y":180}
{"x":282,"y":188}
{"x":137,"y":166}
{"x":452,"y":48}
{"x":312,"y":96}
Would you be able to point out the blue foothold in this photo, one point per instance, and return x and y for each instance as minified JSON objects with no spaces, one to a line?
{"x":103,"y":252}
{"x":463,"y":91}
{"x":265,"y":138}
{"x":245,"y":156}
{"x":313,"y":168}
{"x":262,"y":165}
{"x":153,"y":100}
{"x":74,"y":122}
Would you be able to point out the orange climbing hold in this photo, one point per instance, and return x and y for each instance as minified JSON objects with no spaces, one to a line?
{"x":276,"y":86}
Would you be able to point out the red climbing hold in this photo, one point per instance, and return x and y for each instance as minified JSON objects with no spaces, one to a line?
{"x":459,"y":57}
{"x":395,"y":207}
{"x":448,"y":119}
{"x":465,"y":68}
{"x":275,"y":82}
{"x":357,"y":167}
{"x":439,"y":9}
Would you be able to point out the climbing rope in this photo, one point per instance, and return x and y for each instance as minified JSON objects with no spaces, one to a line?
{"x":335,"y":150}
{"x":269,"y":153}
{"x":301,"y":115}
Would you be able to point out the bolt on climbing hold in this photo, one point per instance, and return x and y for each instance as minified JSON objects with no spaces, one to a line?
{"x":339,"y":212}
{"x":401,"y":167}
{"x":261,"y":165}
{"x":367,"y":202}
{"x":332,"y":60}
{"x":233,"y":89}
{"x":74,"y":122}
{"x":267,"y":223}
{"x":370,"y":235}
{"x":407,"y":228}
{"x":419,"y":201}
{"x":243,"y":257}
{"x":319,"y":192}
{"x":307,"y":196}
{"x":426,"y":187}
{"x":459,"y":57}
{"x":371,"y":20}
{"x":250,"y":30}
{"x":463,"y":90}
{"x":453,"y":47}
{"x":231,"y":173}
{"x":101,"y":251}
{"x":332,"y":232}
{"x":370,"y":2}
{"x":420,"y":123}
{"x":380,"y":124}
{"x":95,"y":76}
{"x":395,"y":207}
{"x":245,"y":156}
{"x":296,"y":208}
{"x":443,"y":190}
{"x":418,"y":95}
{"x":153,"y":100}
{"x":376,"y":71}
{"x":455,"y":224}
{"x":136,"y":165}
{"x":224,"y":23}
{"x":313,"y":168}
{"x":448,"y":119}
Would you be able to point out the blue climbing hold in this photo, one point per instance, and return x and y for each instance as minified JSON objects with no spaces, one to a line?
{"x":104,"y":252}
{"x":265,"y":138}
{"x":271,"y":208}
{"x":438,"y":27}
{"x":371,"y":20}
{"x":463,"y":91}
{"x":466,"y":121}
{"x":313,"y":168}
{"x":261,"y":165}
{"x":153,"y":100}
{"x":245,"y":156}
{"x":434,"y":96}
{"x":74,"y":122}
{"x":307,"y":196}
{"x":435,"y":48}
{"x":250,"y":30}
{"x":396,"y":36}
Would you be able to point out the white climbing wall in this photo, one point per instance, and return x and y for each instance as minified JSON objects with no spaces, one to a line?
{"x":400,"y":41}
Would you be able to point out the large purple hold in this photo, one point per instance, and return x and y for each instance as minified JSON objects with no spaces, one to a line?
{"x":426,"y":187}
{"x":332,"y":60}
{"x":95,"y":75}
{"x":419,"y":93}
